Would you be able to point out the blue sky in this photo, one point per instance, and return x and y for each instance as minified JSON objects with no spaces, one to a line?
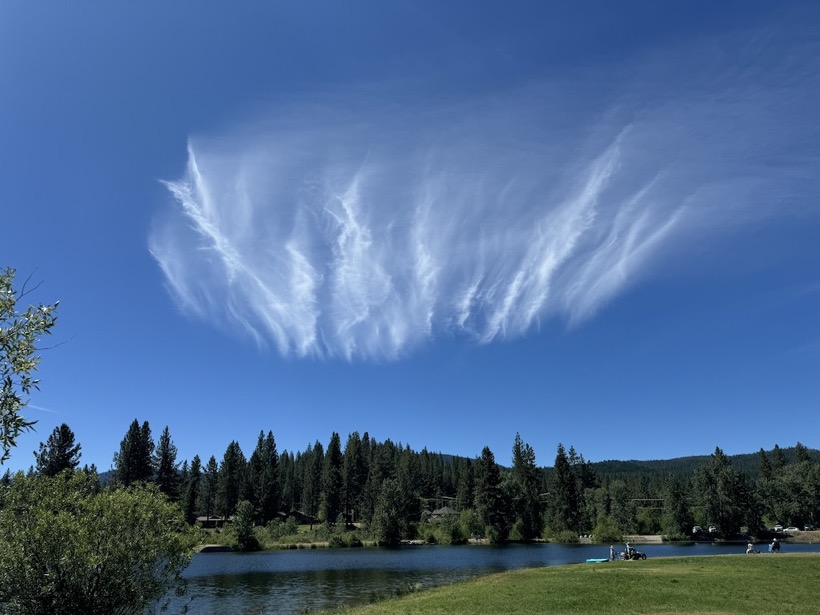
{"x":442,"y":223}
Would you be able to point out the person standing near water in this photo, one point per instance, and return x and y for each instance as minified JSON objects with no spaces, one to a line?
{"x":611,"y":552}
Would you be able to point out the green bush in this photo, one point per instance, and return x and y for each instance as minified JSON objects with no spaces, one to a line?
{"x":447,"y":532}
{"x":242,"y":530}
{"x":285,"y":533}
{"x":494,"y":534}
{"x":470,"y":524}
{"x":275,"y":529}
{"x":516,"y":532}
{"x":566,"y":537}
{"x":66,"y":547}
{"x":344,"y":538}
{"x":455,"y":535}
{"x":607,"y":530}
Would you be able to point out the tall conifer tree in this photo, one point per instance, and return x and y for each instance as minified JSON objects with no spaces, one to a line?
{"x":354,"y":476}
{"x":211,"y":485}
{"x":263,"y":470}
{"x":58,"y":453}
{"x":231,"y":479}
{"x":489,"y":502}
{"x":563,"y":499}
{"x":332,"y":480}
{"x":525,"y":477}
{"x":192,"y":488}
{"x":133,"y":463}
{"x":165,"y":461}
{"x":313,"y":459}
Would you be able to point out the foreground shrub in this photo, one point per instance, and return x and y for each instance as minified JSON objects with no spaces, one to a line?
{"x":66,"y":547}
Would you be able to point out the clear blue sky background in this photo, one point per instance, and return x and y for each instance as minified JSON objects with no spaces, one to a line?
{"x":443,"y":223}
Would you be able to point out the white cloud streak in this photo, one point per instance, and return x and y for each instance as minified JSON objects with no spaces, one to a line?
{"x":350,"y":231}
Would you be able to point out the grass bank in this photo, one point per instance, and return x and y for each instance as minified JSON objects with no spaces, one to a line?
{"x":734,"y":584}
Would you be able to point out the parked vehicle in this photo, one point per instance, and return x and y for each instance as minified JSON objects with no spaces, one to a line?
{"x":778,"y":528}
{"x":697,"y":529}
{"x":791,"y":530}
{"x":712,"y":529}
{"x":808,"y":527}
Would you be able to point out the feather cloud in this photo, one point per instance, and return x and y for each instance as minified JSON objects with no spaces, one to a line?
{"x":350,"y":231}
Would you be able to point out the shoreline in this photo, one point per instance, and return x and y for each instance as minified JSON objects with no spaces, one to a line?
{"x":636,"y":539}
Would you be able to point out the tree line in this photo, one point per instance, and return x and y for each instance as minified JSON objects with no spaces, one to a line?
{"x":397,"y":491}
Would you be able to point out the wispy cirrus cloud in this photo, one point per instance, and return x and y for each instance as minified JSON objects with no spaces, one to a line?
{"x":350,"y":229}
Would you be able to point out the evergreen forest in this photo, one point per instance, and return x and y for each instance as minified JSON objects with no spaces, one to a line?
{"x":402,"y":494}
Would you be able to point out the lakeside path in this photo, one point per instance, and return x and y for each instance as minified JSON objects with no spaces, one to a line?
{"x":760,"y":584}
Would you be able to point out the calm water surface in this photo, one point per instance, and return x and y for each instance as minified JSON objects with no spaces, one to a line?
{"x":291,"y":582}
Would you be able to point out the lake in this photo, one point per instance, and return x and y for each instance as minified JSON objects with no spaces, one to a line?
{"x":294,"y":581}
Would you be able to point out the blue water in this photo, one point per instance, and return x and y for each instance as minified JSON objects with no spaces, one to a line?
{"x":295,"y":581}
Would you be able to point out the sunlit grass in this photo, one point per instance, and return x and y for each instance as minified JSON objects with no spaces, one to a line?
{"x":734,"y":584}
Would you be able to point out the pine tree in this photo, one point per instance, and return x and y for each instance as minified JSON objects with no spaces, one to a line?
{"x":725,"y":493}
{"x":332,"y":480}
{"x":677,"y":517}
{"x":211,"y":486}
{"x":408,"y":476}
{"x":313,"y":459}
{"x":189,"y":500}
{"x":384,"y":459}
{"x":256,"y":466}
{"x":489,"y":502}
{"x":801,"y":453}
{"x":272,"y":494}
{"x":563,"y":500}
{"x":58,"y":453}
{"x":289,"y":480}
{"x":766,"y":470}
{"x":778,"y":458}
{"x":231,"y":479}
{"x":354,"y":476}
{"x":586,"y":482}
{"x":165,"y":461}
{"x":527,"y":501}
{"x":133,"y":463}
{"x":465,"y":494}
{"x":263,"y":471}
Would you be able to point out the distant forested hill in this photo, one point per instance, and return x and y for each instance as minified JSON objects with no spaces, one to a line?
{"x":684,"y":467}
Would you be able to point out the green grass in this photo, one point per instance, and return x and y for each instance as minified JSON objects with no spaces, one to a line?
{"x":734,"y":584}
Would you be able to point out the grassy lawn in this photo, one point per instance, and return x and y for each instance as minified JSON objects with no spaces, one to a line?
{"x":760,"y":584}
